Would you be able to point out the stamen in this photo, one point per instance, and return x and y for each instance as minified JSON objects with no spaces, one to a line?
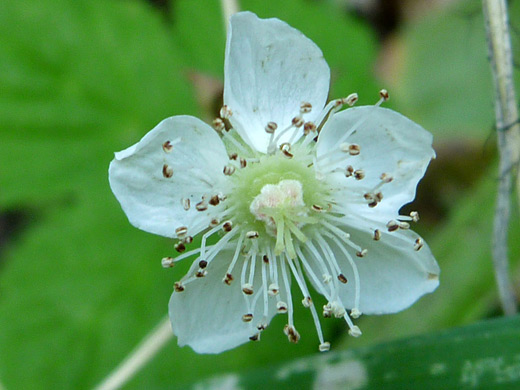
{"x":219,"y":125}
{"x":225,"y":112}
{"x":289,"y":246}
{"x":229,"y":170}
{"x":264,"y":289}
{"x":384,"y":97}
{"x":167,"y":171}
{"x":357,"y":286}
{"x":305,"y":107}
{"x":228,"y":278}
{"x":418,"y":244}
{"x":204,"y":238}
{"x":300,"y":280}
{"x":252,"y":268}
{"x":288,"y":292}
{"x":167,"y":262}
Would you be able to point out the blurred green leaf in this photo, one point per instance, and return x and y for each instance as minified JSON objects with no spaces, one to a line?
{"x":481,"y":356}
{"x":443,"y":77}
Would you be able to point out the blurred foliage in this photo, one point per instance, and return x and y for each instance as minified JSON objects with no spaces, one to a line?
{"x":480,"y":356}
{"x":80,"y":79}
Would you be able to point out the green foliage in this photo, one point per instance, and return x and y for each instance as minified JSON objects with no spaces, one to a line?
{"x":480,"y":356}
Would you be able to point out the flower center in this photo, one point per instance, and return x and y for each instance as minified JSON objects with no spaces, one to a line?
{"x":279,"y":198}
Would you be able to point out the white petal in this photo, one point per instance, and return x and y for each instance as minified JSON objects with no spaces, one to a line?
{"x":390,"y":143}
{"x":392,"y":274}
{"x":152,"y":201}
{"x":270,"y":69}
{"x":207,"y":315}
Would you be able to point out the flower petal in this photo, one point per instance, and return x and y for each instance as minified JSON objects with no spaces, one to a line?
{"x":207,"y":315}
{"x":389,"y":143}
{"x":181,"y":158}
{"x":270,"y":69}
{"x":392,"y":274}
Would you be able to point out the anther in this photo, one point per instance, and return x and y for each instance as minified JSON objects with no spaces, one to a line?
{"x":342,"y":278}
{"x":261,"y":326}
{"x":203,"y":264}
{"x":415,"y":216}
{"x":180,"y":247}
{"x":327,"y":311}
{"x":219,"y":125}
{"x":309,"y":127}
{"x":186,"y":203}
{"x":305,"y":107}
{"x":392,"y":225}
{"x":351,"y":99}
{"x":228,"y":279}
{"x":307,"y":302}
{"x":377,"y":235}
{"x":247,"y":317}
{"x":354,"y":149}
{"x":225,"y":112}
{"x":221,"y":196}
{"x":297,"y":121}
{"x":167,"y":171}
{"x":265,"y":259}
{"x":291,"y":333}
{"x":227,"y":226}
{"x":327,"y":278}
{"x":252,"y":234}
{"x":317,"y":208}
{"x":355,"y":313}
{"x":379,"y":196}
{"x":181,"y":231}
{"x":271,"y":127}
{"x":286,"y":150}
{"x":255,"y":337}
{"x":418,"y":244}
{"x":228,"y":170}
{"x":201,"y":206}
{"x":167,"y":147}
{"x":386,"y":178}
{"x":187,"y":240}
{"x":349,"y":171}
{"x":362,"y":253}
{"x":324,"y":347}
{"x":247,"y":289}
{"x":201,"y":273}
{"x":359,"y":174}
{"x":167,"y":262}
{"x":214,"y":200}
{"x":404,"y":225}
{"x":233,"y":156}
{"x":354,"y":331}
{"x":178,"y":287}
{"x":243,"y":162}
{"x":273,"y":289}
{"x":281,"y":307}
{"x":214,"y":222}
{"x":384,"y":94}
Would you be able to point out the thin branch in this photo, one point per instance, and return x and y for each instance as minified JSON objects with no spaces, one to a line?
{"x":500,"y":54}
{"x":229,"y":7}
{"x":152,"y":343}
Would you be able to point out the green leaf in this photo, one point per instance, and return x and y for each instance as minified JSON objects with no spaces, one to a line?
{"x":481,"y":356}
{"x":443,"y":78}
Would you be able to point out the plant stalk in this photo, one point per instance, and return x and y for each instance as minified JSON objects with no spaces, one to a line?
{"x":506,"y":112}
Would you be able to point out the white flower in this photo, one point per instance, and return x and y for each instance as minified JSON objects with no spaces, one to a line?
{"x":272,"y":204}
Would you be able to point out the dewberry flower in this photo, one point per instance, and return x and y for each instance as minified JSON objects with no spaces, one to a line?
{"x":283,"y":189}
